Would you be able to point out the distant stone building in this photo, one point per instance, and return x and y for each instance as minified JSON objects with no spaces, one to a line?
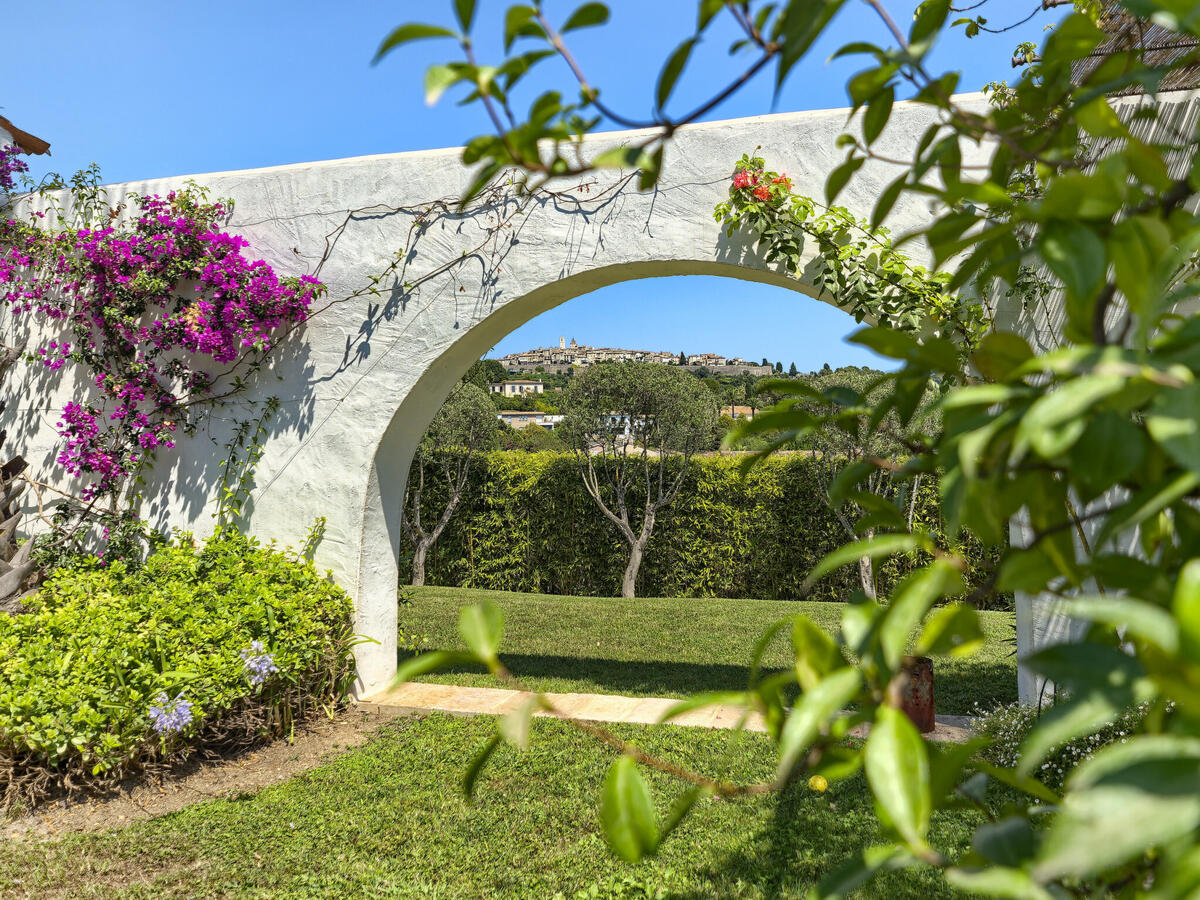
{"x":566,"y":358}
{"x":518,"y":387}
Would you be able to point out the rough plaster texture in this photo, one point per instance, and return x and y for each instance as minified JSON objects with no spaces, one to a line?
{"x":361,"y":381}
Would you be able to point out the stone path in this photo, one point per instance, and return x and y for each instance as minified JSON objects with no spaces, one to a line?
{"x":449,"y":698}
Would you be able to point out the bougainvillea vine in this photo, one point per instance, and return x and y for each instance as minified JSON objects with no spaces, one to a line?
{"x":151,"y":307}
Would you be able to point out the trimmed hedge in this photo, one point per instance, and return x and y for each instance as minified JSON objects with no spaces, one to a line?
{"x":527,"y":524}
{"x":80,"y":672}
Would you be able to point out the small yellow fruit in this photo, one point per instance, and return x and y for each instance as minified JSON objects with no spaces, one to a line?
{"x":818,"y":783}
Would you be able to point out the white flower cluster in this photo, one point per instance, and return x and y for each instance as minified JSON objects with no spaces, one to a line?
{"x":1007,"y":726}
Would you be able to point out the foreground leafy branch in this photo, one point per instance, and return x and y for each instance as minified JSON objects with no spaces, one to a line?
{"x":1091,"y":445}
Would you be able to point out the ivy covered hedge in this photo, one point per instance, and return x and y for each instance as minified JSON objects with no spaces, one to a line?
{"x":117,"y":669}
{"x":527,"y":524}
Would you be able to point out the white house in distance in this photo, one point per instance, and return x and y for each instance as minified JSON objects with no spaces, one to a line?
{"x":518,"y":387}
{"x":518,"y":420}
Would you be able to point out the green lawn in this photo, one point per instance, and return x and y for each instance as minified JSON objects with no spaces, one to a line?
{"x":670,"y":647}
{"x":387,"y":820}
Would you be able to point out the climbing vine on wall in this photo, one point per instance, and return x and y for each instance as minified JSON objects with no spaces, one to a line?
{"x":854,"y":261}
{"x":162,"y":314}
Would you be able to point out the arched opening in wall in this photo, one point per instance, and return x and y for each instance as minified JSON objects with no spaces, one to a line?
{"x":540,"y":523}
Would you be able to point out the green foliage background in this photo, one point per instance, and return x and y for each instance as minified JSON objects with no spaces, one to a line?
{"x":527,"y":524}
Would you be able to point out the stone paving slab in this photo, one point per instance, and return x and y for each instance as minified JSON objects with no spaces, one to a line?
{"x":471,"y":701}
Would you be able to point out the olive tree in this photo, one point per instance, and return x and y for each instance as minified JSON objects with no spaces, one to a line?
{"x":465,"y":425}
{"x":633,"y":428}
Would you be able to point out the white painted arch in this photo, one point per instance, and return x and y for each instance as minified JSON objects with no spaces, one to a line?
{"x":359,"y":384}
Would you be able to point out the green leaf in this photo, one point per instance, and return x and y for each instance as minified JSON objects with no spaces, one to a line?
{"x":1098,"y":119}
{"x":671,"y":71}
{"x":879,"y":110}
{"x":897,"y":768}
{"x":586,"y":16}
{"x":1134,"y":618}
{"x":1081,"y":667}
{"x":840,"y":176}
{"x":952,"y":630}
{"x":999,"y":353}
{"x":800,"y":23}
{"x":517,"y":22}
{"x":1004,"y":775}
{"x":464,"y":11}
{"x":1066,"y":405}
{"x":1174,"y":422}
{"x":1076,"y":36}
{"x":887,"y":200}
{"x":623,"y":158}
{"x":854,"y":872}
{"x":1070,"y":719}
{"x":1111,"y":448}
{"x":514,"y":725}
{"x":1102,"y":683}
{"x":627,"y":812}
{"x":1006,"y":842}
{"x":429,"y":662}
{"x":1136,"y":246}
{"x":406,"y":33}
{"x":910,"y":601}
{"x":815,"y":652}
{"x":1149,"y":501}
{"x":437,"y":79}
{"x":760,"y":648}
{"x":948,"y":762}
{"x":997,"y":882}
{"x":706,"y":11}
{"x":928,"y":20}
{"x":815,"y":708}
{"x":482,"y":628}
{"x":886,"y":341}
{"x":1076,"y":255}
{"x":475,"y":768}
{"x":1126,"y":799}
{"x":1186,"y":606}
{"x":872,"y":548}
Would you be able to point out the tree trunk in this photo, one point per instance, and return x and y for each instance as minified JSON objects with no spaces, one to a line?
{"x":418,"y":562}
{"x":866,"y":571}
{"x":629,"y":582}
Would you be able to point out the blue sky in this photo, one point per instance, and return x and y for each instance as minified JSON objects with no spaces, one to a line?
{"x":147,"y":89}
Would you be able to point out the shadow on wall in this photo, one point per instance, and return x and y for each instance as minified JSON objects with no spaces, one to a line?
{"x":494,"y":228}
{"x":187,"y":478}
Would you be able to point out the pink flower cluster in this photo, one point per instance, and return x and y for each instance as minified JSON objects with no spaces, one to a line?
{"x":760,"y":186}
{"x":145,"y":306}
{"x":11,"y":164}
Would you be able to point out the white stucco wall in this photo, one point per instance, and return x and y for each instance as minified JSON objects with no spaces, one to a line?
{"x":361,"y":382}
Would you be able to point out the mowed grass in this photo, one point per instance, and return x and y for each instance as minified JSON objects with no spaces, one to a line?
{"x":667,"y":647}
{"x":388,"y":820}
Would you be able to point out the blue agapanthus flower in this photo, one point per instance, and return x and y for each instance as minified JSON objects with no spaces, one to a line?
{"x":170,"y":716}
{"x":258,"y":664}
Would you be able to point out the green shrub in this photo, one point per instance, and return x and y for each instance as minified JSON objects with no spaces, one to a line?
{"x":1007,"y":726}
{"x":527,"y":524}
{"x":81,"y":671}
